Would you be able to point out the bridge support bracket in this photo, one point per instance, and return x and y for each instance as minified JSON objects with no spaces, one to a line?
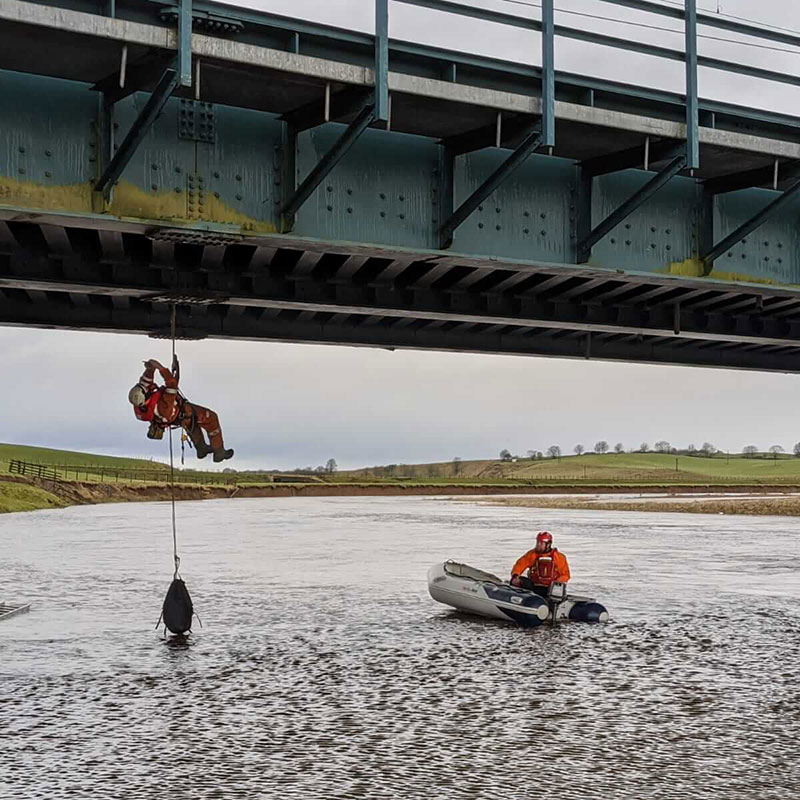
{"x":751,"y":225}
{"x":318,"y":174}
{"x":629,"y":206}
{"x":528,"y":145}
{"x":142,"y":124}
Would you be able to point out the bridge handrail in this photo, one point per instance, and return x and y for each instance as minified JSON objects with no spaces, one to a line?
{"x":689,"y":55}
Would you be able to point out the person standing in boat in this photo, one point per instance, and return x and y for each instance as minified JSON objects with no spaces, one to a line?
{"x":539,"y":568}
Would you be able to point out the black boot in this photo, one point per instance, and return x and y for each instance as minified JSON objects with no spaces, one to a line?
{"x":196,"y":436}
{"x":221,"y":454}
{"x":202,"y":449}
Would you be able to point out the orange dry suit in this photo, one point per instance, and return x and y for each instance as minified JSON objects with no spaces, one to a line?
{"x":164,"y":406}
{"x":543,"y":568}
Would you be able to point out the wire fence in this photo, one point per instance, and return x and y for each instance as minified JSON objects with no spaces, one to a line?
{"x":95,"y":473}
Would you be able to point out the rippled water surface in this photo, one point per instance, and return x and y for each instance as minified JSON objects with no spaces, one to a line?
{"x":324,"y":669}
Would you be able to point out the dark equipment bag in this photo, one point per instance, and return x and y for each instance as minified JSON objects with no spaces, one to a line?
{"x":178,"y":609}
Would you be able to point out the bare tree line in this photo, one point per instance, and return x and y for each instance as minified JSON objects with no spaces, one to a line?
{"x":706,"y":450}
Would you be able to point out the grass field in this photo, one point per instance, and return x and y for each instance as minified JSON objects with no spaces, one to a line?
{"x":624,"y":468}
{"x":610,"y":469}
{"x":44,"y":455}
{"x":20,"y":497}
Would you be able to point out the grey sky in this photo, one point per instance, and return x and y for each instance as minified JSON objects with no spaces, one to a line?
{"x":295,"y":405}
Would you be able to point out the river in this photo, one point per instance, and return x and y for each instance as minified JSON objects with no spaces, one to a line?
{"x":324,"y":670}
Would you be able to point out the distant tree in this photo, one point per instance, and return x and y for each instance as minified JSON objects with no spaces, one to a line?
{"x":456,"y":466}
{"x":708,"y":449}
{"x":578,"y":449}
{"x":433,"y":470}
{"x":331,"y":465}
{"x":539,"y":455}
{"x":389,"y":470}
{"x":505,"y":455}
{"x":644,"y":447}
{"x":776,"y":450}
{"x":796,"y":449}
{"x":320,"y":468}
{"x":663,"y":447}
{"x":601,"y":447}
{"x":749,"y":451}
{"x":691,"y":449}
{"x":531,"y":454}
{"x":619,"y":447}
{"x":554,"y":451}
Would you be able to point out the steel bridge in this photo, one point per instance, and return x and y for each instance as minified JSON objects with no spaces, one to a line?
{"x":288,"y":181}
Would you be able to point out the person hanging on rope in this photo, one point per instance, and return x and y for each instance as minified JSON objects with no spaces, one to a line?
{"x":164,"y":407}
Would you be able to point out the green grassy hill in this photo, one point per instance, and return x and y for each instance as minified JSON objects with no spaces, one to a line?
{"x":610,"y":468}
{"x":44,"y":455}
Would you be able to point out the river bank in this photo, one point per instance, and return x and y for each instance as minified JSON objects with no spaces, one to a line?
{"x":29,"y":494}
{"x":767,"y":504}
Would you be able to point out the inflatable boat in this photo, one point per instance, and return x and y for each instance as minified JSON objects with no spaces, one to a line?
{"x":477,"y":592}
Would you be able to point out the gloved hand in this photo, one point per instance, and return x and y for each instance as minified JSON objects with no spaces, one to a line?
{"x":515,"y":581}
{"x":153,"y":363}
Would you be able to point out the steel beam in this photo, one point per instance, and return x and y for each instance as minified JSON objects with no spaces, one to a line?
{"x":487,"y":135}
{"x":338,"y":150}
{"x":632,"y":158}
{"x":763,"y":176}
{"x":531,"y":142}
{"x":340,"y":104}
{"x":692,"y":103}
{"x":629,"y":206}
{"x":185,"y":42}
{"x":548,"y":76}
{"x":139,"y":75}
{"x":752,"y":224}
{"x":382,"y":61}
{"x":153,"y":107}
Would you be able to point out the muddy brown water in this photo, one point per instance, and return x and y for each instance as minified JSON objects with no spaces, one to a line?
{"x":324,"y":669}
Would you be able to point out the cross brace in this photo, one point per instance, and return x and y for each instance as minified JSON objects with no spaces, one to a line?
{"x":752,"y":224}
{"x":529,"y":144}
{"x":338,"y":150}
{"x":141,"y":125}
{"x":629,"y":206}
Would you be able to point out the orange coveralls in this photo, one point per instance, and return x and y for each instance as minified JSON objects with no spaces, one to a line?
{"x":163,"y":407}
{"x":560,"y":572}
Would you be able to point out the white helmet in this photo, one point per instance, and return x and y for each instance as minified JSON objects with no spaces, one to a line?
{"x":136,"y":396}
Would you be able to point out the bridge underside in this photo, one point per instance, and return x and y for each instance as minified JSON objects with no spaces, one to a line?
{"x":96,"y":279}
{"x":198,"y":216}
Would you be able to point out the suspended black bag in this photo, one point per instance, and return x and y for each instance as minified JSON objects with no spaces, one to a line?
{"x":178,"y":610}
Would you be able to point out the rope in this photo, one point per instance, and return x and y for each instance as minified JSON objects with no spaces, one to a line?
{"x":172,"y":464}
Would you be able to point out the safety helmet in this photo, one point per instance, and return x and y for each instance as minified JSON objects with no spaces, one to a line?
{"x":545,"y":539}
{"x":136,"y":396}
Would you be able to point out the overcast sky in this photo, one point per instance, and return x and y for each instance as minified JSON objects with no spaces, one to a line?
{"x":288,"y":406}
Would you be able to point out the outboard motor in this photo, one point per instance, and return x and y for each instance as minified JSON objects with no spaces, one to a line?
{"x":177,"y":610}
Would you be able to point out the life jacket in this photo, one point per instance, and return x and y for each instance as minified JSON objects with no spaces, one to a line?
{"x":543,"y":571}
{"x":149,"y":413}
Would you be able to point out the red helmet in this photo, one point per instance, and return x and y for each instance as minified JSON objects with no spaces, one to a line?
{"x":544,"y":538}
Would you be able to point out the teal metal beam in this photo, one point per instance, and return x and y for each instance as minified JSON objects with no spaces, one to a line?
{"x":548,"y":75}
{"x":185,"y":42}
{"x":692,"y":102}
{"x":762,"y":176}
{"x":531,"y":142}
{"x":629,"y":206}
{"x":339,"y":149}
{"x":752,"y":224}
{"x":382,"y":61}
{"x":153,"y":107}
{"x":632,"y":158}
